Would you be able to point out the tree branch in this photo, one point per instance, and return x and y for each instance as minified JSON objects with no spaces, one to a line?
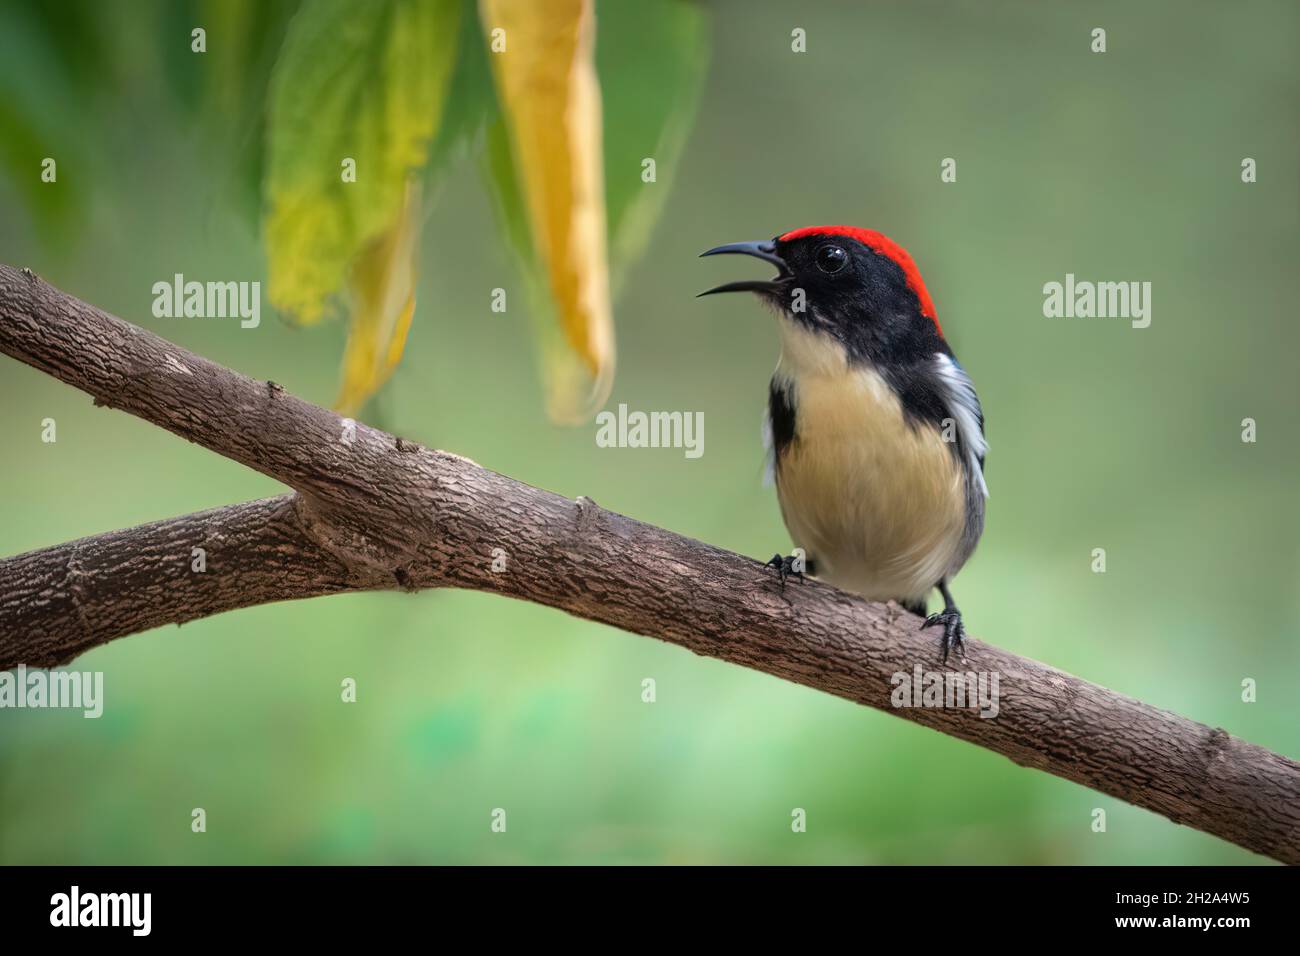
{"x":374,"y":511}
{"x":59,"y":602}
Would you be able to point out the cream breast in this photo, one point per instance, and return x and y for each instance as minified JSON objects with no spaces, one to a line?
{"x":878,"y":502}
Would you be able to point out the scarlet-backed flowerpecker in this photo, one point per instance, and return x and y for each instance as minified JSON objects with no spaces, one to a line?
{"x":876,"y":432}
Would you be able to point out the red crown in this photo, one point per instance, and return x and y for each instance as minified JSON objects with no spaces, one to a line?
{"x":877,"y":242}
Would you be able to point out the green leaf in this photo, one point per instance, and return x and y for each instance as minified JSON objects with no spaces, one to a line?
{"x":652,"y":58}
{"x":359,"y":81}
{"x":471,"y":103}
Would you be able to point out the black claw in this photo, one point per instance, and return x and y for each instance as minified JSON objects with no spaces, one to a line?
{"x":786,"y":567}
{"x":954,"y":632}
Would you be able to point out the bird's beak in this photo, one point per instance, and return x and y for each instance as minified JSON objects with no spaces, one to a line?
{"x":766,"y":251}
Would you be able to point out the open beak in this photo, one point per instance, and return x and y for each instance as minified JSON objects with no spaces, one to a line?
{"x":766,"y":251}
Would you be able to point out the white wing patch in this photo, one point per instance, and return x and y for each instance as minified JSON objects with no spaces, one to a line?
{"x":769,"y":451}
{"x":964,"y":407}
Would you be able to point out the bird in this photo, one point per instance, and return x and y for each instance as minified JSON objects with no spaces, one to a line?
{"x":876,"y":432}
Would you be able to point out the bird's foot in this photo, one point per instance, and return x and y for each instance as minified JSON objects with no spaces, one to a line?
{"x":954,"y":632}
{"x":787,"y":566}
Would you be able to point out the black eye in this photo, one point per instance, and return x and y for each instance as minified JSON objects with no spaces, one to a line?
{"x":831,"y":259}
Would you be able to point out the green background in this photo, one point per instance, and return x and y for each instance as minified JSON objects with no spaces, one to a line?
{"x":1115,"y":166}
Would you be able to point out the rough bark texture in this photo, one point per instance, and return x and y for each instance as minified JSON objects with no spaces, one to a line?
{"x":371,"y":511}
{"x":58,"y":602}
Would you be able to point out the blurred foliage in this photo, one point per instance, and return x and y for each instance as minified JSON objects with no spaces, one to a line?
{"x":355,"y":99}
{"x":544,"y":64}
{"x":546,"y":177}
{"x":651,"y":58}
{"x":286,"y":90}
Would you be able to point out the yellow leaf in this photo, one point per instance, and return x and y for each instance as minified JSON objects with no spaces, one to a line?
{"x":550,"y":99}
{"x":382,"y":282}
{"x":356,"y":96}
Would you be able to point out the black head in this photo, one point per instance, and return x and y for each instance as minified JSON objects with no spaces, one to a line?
{"x":855,"y":285}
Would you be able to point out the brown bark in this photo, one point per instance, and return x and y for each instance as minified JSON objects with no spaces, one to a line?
{"x":372,"y":511}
